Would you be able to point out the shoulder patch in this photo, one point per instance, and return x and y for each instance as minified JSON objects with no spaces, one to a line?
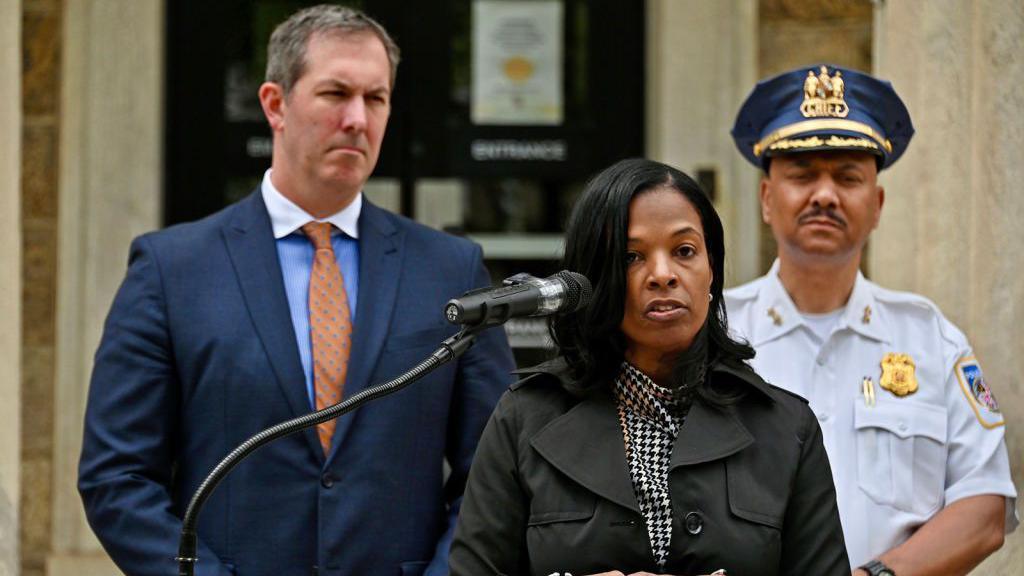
{"x":978,"y":393}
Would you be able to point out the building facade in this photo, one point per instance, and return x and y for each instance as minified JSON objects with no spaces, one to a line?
{"x":83,"y":125}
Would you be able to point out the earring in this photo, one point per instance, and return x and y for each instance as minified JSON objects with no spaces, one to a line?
{"x":710,"y":296}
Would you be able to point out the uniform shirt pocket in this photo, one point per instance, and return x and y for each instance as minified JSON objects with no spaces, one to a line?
{"x":901,"y":454}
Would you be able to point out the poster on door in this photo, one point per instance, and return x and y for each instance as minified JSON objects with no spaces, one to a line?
{"x":517,"y":62}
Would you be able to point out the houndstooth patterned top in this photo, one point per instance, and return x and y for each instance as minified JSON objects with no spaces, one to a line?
{"x":651,"y":417}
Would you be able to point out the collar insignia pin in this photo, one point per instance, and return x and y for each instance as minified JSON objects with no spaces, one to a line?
{"x":775,"y":316}
{"x":898,"y":374}
{"x":866,"y":318}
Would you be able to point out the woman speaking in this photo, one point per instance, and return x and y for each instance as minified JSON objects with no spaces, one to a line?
{"x":648,"y":446}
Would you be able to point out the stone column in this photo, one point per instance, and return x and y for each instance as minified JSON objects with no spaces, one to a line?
{"x":951,"y":227}
{"x":40,"y":120}
{"x":701,"y":64}
{"x":110,"y":191}
{"x":10,"y":283}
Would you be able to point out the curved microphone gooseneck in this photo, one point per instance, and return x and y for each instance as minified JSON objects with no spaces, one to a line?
{"x":521,"y":295}
{"x":187,"y":555}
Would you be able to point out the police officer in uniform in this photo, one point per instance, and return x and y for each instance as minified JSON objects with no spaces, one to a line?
{"x":912,"y":429}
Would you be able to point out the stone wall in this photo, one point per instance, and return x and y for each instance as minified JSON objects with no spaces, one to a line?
{"x":693,"y":93}
{"x":951,"y":226}
{"x":92,"y":134}
{"x":111,"y":173}
{"x":10,"y":284}
{"x":40,"y":97}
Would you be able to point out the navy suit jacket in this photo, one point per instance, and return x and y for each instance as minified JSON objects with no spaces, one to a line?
{"x":198,"y":354}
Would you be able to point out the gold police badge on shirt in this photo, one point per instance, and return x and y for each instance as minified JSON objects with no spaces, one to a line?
{"x":898,"y":374}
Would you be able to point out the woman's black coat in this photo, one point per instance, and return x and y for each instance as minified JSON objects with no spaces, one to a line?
{"x":550,"y":491}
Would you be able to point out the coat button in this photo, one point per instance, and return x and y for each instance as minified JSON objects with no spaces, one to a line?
{"x":327,"y":480}
{"x":694,"y":523}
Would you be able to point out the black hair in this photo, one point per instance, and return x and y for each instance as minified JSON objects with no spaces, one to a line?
{"x":595,"y":245}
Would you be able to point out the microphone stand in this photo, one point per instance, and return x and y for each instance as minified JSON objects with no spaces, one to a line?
{"x":450,"y":349}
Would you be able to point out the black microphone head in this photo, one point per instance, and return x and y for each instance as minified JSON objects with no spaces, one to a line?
{"x":577,"y":290}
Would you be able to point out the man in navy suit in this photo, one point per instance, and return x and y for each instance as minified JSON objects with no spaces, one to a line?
{"x":208,"y":342}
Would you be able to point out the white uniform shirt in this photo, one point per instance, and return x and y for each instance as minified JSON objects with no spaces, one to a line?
{"x":897,"y":462}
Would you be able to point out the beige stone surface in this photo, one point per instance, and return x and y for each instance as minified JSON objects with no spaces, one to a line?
{"x":96,"y":564}
{"x":40,"y":51}
{"x":693,"y":93}
{"x":814,"y":10}
{"x":36,"y":476}
{"x":951,"y":228}
{"x":37,"y":365}
{"x":785,"y":45}
{"x":41,"y":57}
{"x":39,"y":268}
{"x":36,"y":457}
{"x":111,"y":171}
{"x":10,"y":283}
{"x":39,"y":168}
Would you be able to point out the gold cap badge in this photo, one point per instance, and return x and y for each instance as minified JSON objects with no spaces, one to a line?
{"x":898,"y":374}
{"x":824,"y":95}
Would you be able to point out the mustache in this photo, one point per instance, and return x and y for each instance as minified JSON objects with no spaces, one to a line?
{"x":818,"y":212}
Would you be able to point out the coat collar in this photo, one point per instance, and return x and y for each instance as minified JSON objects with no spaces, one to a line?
{"x":776,"y":315}
{"x":559,"y":369}
{"x":597,"y":460}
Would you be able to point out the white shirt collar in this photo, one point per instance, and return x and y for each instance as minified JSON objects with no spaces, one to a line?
{"x":860,"y":314}
{"x":286,"y":217}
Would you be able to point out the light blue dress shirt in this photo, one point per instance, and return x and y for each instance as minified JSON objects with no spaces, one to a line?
{"x":295,"y":253}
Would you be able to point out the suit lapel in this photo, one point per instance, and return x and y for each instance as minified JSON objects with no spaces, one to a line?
{"x":596,"y":457}
{"x":250,"y":243}
{"x":379,"y":274}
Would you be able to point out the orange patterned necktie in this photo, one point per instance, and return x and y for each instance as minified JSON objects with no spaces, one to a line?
{"x":330,"y":325}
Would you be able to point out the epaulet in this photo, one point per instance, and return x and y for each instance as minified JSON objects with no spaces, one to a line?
{"x":899,"y":297}
{"x":556,"y":368}
{"x":793,"y":394}
{"x":533,"y":377}
{"x":947,"y":330}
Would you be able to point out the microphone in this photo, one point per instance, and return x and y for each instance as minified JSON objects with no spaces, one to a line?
{"x":520,"y":295}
